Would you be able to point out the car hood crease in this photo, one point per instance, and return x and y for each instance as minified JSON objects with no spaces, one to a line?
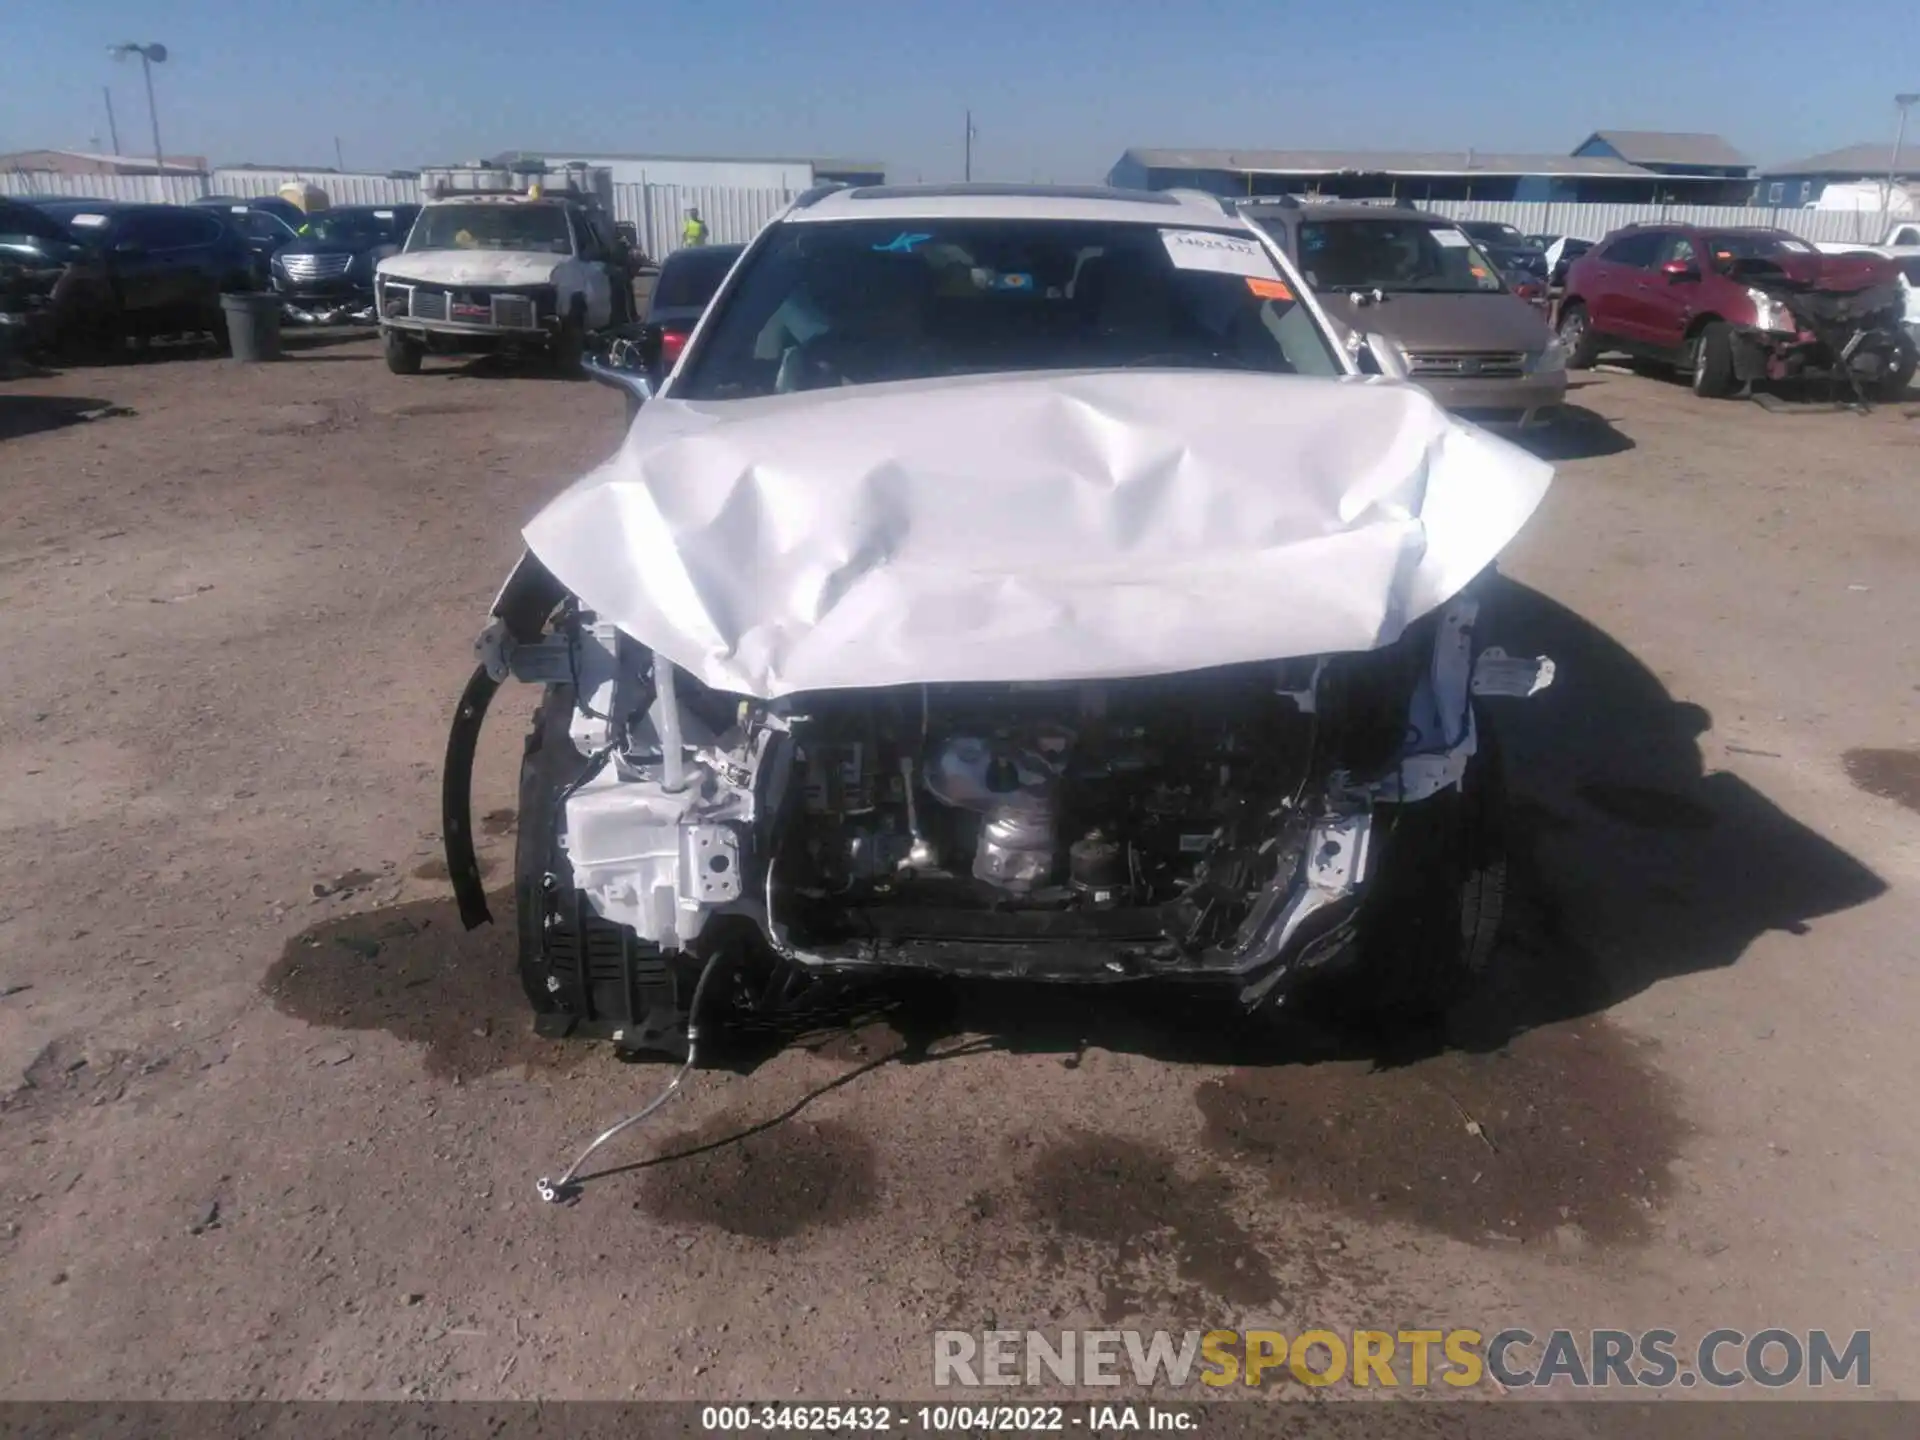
{"x":1039,"y":527}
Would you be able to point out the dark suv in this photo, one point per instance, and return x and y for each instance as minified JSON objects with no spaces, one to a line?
{"x":325,"y":274}
{"x":1729,"y":307}
{"x":148,"y":270}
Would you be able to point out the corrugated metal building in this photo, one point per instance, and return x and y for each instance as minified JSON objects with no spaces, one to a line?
{"x":1608,"y":167}
{"x":82,"y":162}
{"x":1695,"y":168}
{"x":1801,"y":182}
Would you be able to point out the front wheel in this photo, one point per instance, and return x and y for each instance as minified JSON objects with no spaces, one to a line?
{"x":1576,"y":335}
{"x":1713,"y":377}
{"x":1901,"y":364}
{"x":403,"y":355}
{"x":570,"y":347}
{"x":1428,"y":928}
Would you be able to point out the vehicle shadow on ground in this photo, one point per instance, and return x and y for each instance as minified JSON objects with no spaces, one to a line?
{"x":1523,"y":1115}
{"x":1574,"y":433}
{"x":297,"y":340}
{"x":1630,"y":864}
{"x":495,"y":367}
{"x":22,"y":415}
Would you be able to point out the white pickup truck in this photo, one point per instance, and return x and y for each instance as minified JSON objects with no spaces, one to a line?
{"x":1900,"y":244}
{"x":1902,"y":239}
{"x":490,"y":272}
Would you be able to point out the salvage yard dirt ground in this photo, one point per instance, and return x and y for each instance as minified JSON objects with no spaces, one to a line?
{"x":272,"y":1120}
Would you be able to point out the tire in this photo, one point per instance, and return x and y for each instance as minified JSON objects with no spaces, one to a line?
{"x":1576,"y":333}
{"x":1713,"y":377}
{"x":404,"y":356}
{"x":91,"y":335}
{"x":1430,"y":925}
{"x":570,"y":346}
{"x":1893,"y":385}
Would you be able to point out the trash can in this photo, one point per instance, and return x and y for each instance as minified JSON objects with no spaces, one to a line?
{"x":253,"y":324}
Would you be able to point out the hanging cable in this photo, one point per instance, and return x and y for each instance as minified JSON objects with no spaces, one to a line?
{"x":565,"y":1187}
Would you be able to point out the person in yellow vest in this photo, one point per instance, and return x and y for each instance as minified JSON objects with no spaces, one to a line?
{"x":694,"y":232}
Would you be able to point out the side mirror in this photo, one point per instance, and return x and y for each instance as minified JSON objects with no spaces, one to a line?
{"x":1386,"y":357}
{"x":634,"y":384}
{"x":1678,"y":270}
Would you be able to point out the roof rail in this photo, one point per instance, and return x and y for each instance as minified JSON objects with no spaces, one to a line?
{"x":818,"y":193}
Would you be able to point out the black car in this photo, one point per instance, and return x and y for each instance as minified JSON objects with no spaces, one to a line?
{"x":265,"y":232}
{"x":285,"y":211}
{"x":38,"y":260}
{"x":687,"y":280}
{"x":325,"y":274}
{"x":145,"y":271}
{"x":1513,"y":253}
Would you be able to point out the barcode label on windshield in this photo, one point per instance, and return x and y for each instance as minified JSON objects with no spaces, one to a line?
{"x":1222,"y":254}
{"x":1452,"y":239}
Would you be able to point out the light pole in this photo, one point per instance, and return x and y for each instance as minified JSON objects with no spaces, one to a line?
{"x":150,"y":55}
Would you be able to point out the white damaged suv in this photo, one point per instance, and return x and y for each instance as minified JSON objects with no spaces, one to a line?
{"x":1006,"y":582}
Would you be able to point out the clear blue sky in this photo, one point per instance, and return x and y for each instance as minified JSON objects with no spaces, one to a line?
{"x":1058,"y":87}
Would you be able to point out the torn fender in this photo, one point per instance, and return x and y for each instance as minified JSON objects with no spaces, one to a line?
{"x":521,"y":608}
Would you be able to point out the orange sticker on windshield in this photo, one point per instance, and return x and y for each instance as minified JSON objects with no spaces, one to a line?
{"x":1478,"y":273}
{"x":1269,"y":289}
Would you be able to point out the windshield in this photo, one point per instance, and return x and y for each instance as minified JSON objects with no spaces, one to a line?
{"x":21,"y":226}
{"x":1731,"y":247}
{"x":1393,"y":255}
{"x":689,"y":278}
{"x":860,"y":302}
{"x":495,"y":226}
{"x":1494,"y":232}
{"x":356,"y":228}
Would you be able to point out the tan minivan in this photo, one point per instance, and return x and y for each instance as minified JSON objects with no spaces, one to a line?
{"x":1421,"y":282}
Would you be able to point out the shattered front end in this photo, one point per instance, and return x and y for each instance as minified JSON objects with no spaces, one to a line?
{"x":1221,"y":825}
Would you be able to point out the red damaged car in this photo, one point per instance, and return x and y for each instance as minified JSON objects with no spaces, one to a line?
{"x":1729,"y":307}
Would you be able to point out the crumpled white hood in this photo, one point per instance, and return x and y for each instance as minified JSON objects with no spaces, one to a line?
{"x":473,"y":267}
{"x":1043,"y":527}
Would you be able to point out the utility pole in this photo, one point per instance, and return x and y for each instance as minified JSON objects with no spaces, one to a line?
{"x":338,"y":163}
{"x":113,"y":130}
{"x":1904,"y":103}
{"x":150,"y":55}
{"x":971,"y":132}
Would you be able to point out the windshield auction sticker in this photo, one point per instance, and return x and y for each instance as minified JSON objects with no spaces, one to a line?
{"x":1222,"y":254}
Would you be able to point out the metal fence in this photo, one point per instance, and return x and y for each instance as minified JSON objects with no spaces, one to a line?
{"x":734,"y":216}
{"x":1593,"y":222}
{"x":340,"y":189}
{"x":657,"y":212}
{"x":145,"y":189}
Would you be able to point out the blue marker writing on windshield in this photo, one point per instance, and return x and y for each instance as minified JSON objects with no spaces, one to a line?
{"x":902,"y":244}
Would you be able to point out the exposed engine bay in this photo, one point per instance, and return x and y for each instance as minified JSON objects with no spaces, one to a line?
{"x":1213,"y":824}
{"x":1856,"y":335}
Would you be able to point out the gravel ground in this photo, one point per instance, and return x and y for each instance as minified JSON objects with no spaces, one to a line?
{"x":274,"y":1119}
